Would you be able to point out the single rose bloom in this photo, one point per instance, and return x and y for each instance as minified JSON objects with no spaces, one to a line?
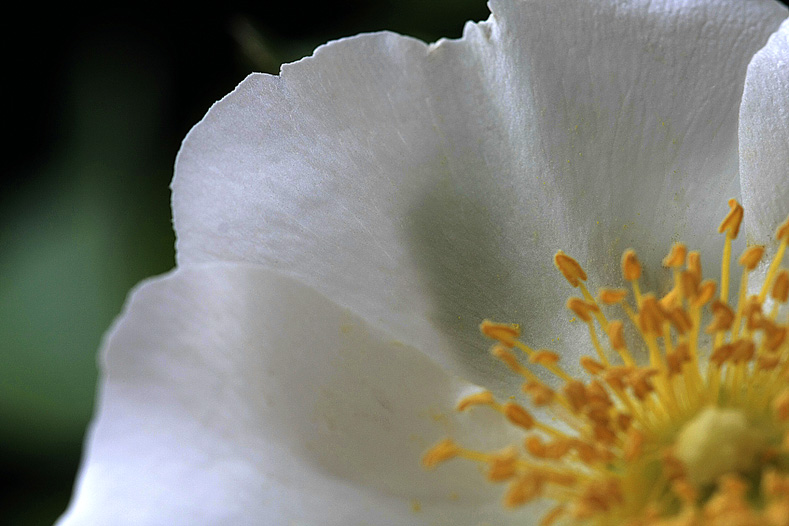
{"x":343,"y":229}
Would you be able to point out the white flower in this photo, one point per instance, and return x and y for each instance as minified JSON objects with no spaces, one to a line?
{"x":344,"y":227}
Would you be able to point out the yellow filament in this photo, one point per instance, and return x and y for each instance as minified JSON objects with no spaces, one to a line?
{"x":725,"y":267}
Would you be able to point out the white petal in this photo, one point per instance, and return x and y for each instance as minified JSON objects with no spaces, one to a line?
{"x":764,"y":138}
{"x":234,"y":396}
{"x":428,"y":187}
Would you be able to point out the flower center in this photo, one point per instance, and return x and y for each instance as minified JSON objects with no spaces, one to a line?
{"x":719,"y":441}
{"x":695,"y":433}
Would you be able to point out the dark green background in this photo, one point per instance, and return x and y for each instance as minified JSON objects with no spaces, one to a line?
{"x":99,"y":102}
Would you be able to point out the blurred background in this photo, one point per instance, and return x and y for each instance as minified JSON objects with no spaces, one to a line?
{"x":99,"y":102}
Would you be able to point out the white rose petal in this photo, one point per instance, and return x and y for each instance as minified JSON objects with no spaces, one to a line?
{"x":235,"y":396}
{"x":384,"y":188}
{"x":764,"y":137}
{"x":427,"y":187}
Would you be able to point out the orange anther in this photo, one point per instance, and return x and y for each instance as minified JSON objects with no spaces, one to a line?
{"x":559,"y":478}
{"x":743,"y":351}
{"x":722,"y":354}
{"x":524,"y":489}
{"x":723,"y":317}
{"x":535,"y":446}
{"x":441,"y":452}
{"x":780,"y":292}
{"x":592,"y":366}
{"x":683,"y":352}
{"x":575,"y":392}
{"x":506,"y":333}
{"x":642,"y":388}
{"x":670,"y":300}
{"x":775,"y":336}
{"x":751,"y":257}
{"x":615,"y":376}
{"x":616,"y":333}
{"x":557,"y":449}
{"x":624,"y":421}
{"x":582,"y":309}
{"x":641,"y":383}
{"x":731,"y":223}
{"x":540,"y":394}
{"x":598,"y":414}
{"x":507,"y":356}
{"x":631,"y":268}
{"x":706,"y":293}
{"x":597,"y":394}
{"x":674,"y":362}
{"x":676,"y":258}
{"x":694,"y":263}
{"x":544,"y":357}
{"x":604,"y":434}
{"x":612,"y":296}
{"x":752,"y":312}
{"x":680,"y":319}
{"x":782,"y":234}
{"x":586,"y":452}
{"x":503,"y":466}
{"x":768,"y":362}
{"x":570,"y":268}
{"x":690,"y":282}
{"x":518,"y":415}
{"x":481,"y":398}
{"x":651,"y":317}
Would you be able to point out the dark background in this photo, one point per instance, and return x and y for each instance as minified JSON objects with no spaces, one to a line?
{"x":96,"y":104}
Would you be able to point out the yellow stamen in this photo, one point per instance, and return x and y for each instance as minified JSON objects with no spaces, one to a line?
{"x":676,"y":258}
{"x":695,"y":433}
{"x":731,"y":223}
{"x":481,"y":398}
{"x":544,"y":357}
{"x":441,"y":452}
{"x":751,"y":257}
{"x":592,"y":367}
{"x":505,"y":333}
{"x":518,"y":415}
{"x":706,"y":293}
{"x":780,"y":292}
{"x":570,"y":268}
{"x":612,"y":296}
{"x":504,"y":465}
{"x":631,"y":267}
{"x":582,"y":309}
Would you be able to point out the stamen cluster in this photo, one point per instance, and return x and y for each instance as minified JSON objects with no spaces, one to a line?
{"x":695,"y":433}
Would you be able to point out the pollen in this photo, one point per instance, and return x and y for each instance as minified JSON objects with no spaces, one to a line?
{"x":680,"y":417}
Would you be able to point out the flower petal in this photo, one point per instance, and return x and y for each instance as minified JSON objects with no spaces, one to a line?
{"x":764,"y":138}
{"x":235,"y":396}
{"x":428,"y":187}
